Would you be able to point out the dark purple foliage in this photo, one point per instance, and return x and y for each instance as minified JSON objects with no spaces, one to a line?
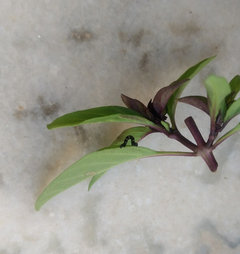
{"x":138,"y":106}
{"x":156,"y":111}
{"x":199,"y":102}
{"x":163,"y":95}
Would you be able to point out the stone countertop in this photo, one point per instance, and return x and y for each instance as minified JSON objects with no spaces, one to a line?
{"x":62,"y":56}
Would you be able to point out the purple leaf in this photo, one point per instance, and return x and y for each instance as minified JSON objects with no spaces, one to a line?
{"x":163,"y":95}
{"x":199,"y":102}
{"x":155,"y":114}
{"x":137,"y":106}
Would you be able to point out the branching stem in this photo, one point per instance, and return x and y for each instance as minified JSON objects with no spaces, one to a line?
{"x":175,"y":134}
{"x":184,"y":141}
{"x":195,"y":132}
{"x":203,"y":150}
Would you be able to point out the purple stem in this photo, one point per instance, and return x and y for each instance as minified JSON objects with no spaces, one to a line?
{"x":195,"y":132}
{"x":203,"y":150}
{"x":169,"y":153}
{"x":213,"y":133}
{"x":175,"y":134}
{"x":180,"y":138}
{"x":209,"y":158}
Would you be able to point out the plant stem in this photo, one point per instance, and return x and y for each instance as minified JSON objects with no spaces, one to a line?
{"x":175,"y":134}
{"x":169,"y":153}
{"x":195,"y":132}
{"x":213,"y":133}
{"x":157,"y":128}
{"x":209,"y":158}
{"x":184,"y":141}
{"x":203,"y":150}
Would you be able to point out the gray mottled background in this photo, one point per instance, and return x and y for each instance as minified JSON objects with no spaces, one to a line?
{"x":61,"y":56}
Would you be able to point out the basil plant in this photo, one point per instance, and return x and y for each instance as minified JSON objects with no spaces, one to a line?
{"x":220,"y":104}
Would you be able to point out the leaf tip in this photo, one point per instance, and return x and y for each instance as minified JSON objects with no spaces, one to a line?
{"x":41,"y":200}
{"x":123,"y":96}
{"x":126,"y":100}
{"x":50,"y":126}
{"x":37,"y":206}
{"x":211,"y":58}
{"x":89,"y":186}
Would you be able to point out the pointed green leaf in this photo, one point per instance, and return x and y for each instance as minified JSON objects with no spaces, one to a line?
{"x":217,"y":90}
{"x":165,"y":125}
{"x":235,"y":85}
{"x":188,"y":74}
{"x":94,"y":179}
{"x":227,"y":135}
{"x":96,"y":163}
{"x":91,"y":165}
{"x":235,"y":88}
{"x":137,"y":132}
{"x":100,"y":114}
{"x":233,"y":110}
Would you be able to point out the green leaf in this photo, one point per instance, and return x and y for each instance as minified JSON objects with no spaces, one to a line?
{"x":165,"y":125}
{"x":235,"y":85}
{"x":94,"y":164}
{"x":100,"y":114}
{"x":188,"y":74}
{"x":235,"y":88}
{"x":227,"y":135}
{"x":94,"y":179}
{"x":91,"y":165}
{"x":233,"y":110}
{"x":137,"y":132}
{"x":217,"y":90}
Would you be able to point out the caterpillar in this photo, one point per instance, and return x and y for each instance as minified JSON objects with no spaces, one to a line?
{"x":133,"y":143}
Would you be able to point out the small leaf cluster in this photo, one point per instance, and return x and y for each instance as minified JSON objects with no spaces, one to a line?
{"x":220,"y":104}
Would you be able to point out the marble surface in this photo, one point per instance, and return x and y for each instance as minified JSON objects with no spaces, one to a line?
{"x":61,"y":56}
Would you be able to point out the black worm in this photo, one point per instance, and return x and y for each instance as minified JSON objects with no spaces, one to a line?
{"x":133,"y":143}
